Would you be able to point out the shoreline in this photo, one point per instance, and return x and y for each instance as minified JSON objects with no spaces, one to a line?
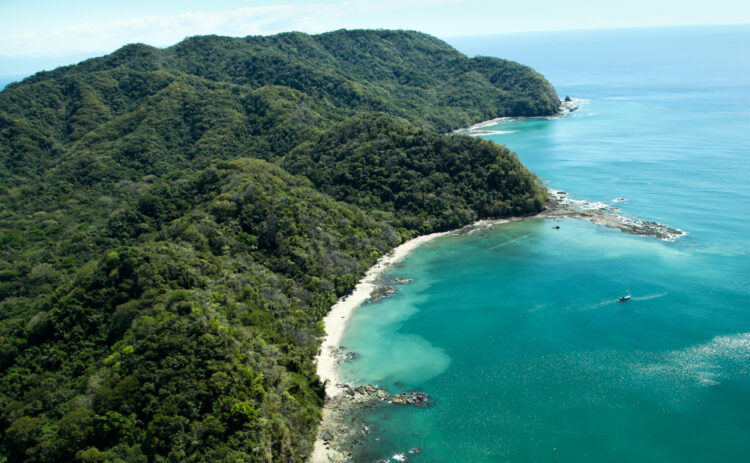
{"x":338,"y":317}
{"x":329,"y":356}
{"x":478,"y":129}
{"x":337,"y":403}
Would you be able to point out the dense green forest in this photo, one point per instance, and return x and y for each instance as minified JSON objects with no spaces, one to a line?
{"x":175,"y":223}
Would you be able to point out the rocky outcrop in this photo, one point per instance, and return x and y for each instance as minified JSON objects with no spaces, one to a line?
{"x":340,"y":354}
{"x":569,"y":105}
{"x":418,"y":399}
{"x":399,"y":281}
{"x":381,"y":292}
{"x":342,"y":432}
{"x":559,"y":205}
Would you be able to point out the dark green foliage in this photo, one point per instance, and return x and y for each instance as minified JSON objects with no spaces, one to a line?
{"x":424,"y":180}
{"x":175,"y":224}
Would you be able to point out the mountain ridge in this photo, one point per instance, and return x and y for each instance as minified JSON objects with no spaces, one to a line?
{"x":176,"y":223}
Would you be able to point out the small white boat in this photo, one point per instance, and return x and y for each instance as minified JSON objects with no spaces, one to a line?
{"x":624,"y":298}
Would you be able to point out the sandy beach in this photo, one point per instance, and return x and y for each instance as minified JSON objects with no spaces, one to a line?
{"x":335,"y":323}
{"x":338,"y":317}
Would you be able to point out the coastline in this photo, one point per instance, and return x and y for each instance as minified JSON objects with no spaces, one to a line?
{"x":560,"y":206}
{"x":337,"y":319}
{"x":329,"y":356}
{"x":479,"y":129}
{"x":339,"y":398}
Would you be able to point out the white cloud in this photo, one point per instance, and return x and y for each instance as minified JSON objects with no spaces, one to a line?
{"x":167,"y":30}
{"x":439,"y":17}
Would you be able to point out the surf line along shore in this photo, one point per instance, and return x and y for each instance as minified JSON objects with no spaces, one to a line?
{"x":337,"y":318}
{"x":335,"y":323}
{"x":557,"y":206}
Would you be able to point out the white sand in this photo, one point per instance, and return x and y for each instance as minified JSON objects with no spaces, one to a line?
{"x":338,"y":317}
{"x":335,"y":323}
{"x":321,"y":453}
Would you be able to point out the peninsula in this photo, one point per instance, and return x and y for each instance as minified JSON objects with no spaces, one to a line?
{"x":177,"y":222}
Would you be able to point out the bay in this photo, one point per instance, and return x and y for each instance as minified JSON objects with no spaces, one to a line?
{"x":516,"y":333}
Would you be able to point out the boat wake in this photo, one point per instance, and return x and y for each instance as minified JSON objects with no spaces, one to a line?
{"x":505,"y":243}
{"x":648,"y":298}
{"x":614,"y":301}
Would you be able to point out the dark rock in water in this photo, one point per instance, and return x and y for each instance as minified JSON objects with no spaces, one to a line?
{"x":367,"y":389}
{"x":399,"y":399}
{"x":381,"y":292}
{"x":556,"y":227}
{"x":400,"y":281}
{"x":419,"y":399}
{"x":382,"y":461}
{"x":398,"y":383}
{"x":326,"y":435}
{"x":351,"y":355}
{"x":568,"y":99}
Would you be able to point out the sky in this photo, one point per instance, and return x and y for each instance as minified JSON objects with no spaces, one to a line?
{"x":43,"y":34}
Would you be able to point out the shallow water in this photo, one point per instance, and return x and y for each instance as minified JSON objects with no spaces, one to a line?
{"x":516,"y":332}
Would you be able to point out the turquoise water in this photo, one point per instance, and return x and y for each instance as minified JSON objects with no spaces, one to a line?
{"x":515,"y":332}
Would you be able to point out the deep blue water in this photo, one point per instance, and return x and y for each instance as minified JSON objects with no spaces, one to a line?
{"x":516,"y":333}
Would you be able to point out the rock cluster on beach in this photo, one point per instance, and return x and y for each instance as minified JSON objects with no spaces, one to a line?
{"x":341,"y":354}
{"x":342,"y":432}
{"x":381,"y":292}
{"x":370,"y":395}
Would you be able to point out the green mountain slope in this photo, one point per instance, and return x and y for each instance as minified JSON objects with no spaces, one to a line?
{"x":175,"y":223}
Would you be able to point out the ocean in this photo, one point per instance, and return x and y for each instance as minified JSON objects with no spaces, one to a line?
{"x":9,"y":79}
{"x":516,"y":333}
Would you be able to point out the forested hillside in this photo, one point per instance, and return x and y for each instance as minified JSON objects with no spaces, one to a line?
{"x":175,"y":223}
